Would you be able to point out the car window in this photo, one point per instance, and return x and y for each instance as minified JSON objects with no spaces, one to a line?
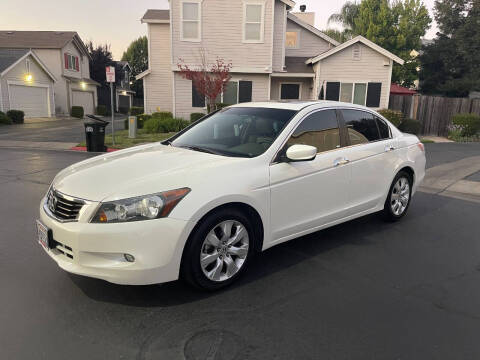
{"x":383,"y":128}
{"x":319,"y":129}
{"x":237,"y":131}
{"x":361,"y":126}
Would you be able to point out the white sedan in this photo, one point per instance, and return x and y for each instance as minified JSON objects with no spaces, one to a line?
{"x":236,"y":182}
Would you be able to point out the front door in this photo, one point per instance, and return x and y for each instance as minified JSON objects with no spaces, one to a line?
{"x":308,"y":194}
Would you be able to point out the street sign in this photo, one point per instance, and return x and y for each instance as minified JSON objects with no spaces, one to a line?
{"x":110,"y":74}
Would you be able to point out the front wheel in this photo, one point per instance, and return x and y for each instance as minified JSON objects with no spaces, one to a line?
{"x":219,"y":250}
{"x":399,"y":197}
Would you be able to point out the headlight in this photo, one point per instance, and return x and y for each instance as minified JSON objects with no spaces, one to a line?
{"x":146,"y":207}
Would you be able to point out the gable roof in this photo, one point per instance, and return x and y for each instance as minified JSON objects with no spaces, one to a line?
{"x":348,"y":43}
{"x":312,"y":29}
{"x":11,"y":57}
{"x":156,"y":16}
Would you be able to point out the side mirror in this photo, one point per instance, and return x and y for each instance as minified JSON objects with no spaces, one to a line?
{"x":299,"y":152}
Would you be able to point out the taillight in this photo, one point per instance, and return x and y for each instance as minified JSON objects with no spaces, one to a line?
{"x":421,"y":146}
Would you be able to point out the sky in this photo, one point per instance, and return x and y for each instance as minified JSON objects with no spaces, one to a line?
{"x":117,"y":22}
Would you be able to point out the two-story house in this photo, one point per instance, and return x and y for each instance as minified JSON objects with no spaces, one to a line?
{"x":275,"y":55}
{"x":63,"y":56}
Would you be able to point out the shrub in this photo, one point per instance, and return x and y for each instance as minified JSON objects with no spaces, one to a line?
{"x":162,"y":115}
{"x":77,"y":111}
{"x":136,"y":110}
{"x":102,"y":110}
{"x":218,"y":106}
{"x":394,"y":116}
{"x":157,"y":125}
{"x":196,"y":116}
{"x":410,"y":126}
{"x":4,"y":119}
{"x":469,"y":123}
{"x":16,"y":116}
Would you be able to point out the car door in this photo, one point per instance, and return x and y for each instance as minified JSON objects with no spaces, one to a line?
{"x":308,"y":194}
{"x":372,"y":159}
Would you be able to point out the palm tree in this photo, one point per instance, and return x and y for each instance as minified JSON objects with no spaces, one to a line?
{"x":346,"y":17}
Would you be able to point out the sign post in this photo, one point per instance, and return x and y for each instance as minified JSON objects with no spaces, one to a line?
{"x":110,"y":72}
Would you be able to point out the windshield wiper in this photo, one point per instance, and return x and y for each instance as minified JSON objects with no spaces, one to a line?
{"x":201,"y":149}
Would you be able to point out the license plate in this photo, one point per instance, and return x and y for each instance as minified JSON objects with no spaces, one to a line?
{"x":42,"y":234}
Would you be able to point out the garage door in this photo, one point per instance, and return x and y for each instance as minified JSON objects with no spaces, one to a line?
{"x":84,"y":99}
{"x":33,"y":101}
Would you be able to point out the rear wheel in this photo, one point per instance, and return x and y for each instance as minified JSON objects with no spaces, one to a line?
{"x":399,"y":197}
{"x":219,"y":250}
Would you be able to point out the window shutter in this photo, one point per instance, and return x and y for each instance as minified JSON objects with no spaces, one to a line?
{"x":244,"y":91}
{"x":197,"y":99}
{"x":66,"y":60}
{"x":373,"y":94}
{"x":333,"y":91}
{"x":76,"y":64}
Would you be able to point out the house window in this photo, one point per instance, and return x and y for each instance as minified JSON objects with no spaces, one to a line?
{"x":291,"y":39}
{"x":253,"y":16}
{"x":71,"y":62}
{"x":290,"y":91}
{"x":361,"y":93}
{"x":191,"y":21}
{"x":234,"y":93}
{"x":198,"y":100}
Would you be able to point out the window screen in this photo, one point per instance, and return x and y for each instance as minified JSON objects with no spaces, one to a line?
{"x":290,"y":92}
{"x":359,"y":94}
{"x":346,"y":90}
{"x":319,"y":129}
{"x":230,"y":93}
{"x":361,"y":126}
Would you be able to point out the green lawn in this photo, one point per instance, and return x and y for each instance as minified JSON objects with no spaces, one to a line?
{"x":122,"y":140}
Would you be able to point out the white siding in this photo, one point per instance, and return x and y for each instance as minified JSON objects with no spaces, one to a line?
{"x":221,"y":36}
{"x":158,"y":84}
{"x":306,"y":91}
{"x":183,"y":94}
{"x":310,"y":44}
{"x":372,"y":67}
{"x":17,"y":74}
{"x":279,"y":36}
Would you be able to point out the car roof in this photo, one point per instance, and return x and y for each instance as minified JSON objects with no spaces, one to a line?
{"x":299,"y":105}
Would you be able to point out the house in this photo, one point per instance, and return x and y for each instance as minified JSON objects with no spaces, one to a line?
{"x":123,"y":94}
{"x":275,"y":55}
{"x":396,"y":89}
{"x":64,"y":56}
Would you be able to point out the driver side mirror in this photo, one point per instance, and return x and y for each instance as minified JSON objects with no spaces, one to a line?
{"x":299,"y":152}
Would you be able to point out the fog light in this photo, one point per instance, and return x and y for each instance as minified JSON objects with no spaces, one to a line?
{"x":129,"y":258}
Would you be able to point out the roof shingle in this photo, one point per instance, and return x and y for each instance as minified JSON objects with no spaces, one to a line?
{"x":10,"y":56}
{"x":154,"y":14}
{"x":35,"y":39}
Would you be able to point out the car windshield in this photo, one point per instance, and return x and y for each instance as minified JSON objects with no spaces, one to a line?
{"x":237,"y":131}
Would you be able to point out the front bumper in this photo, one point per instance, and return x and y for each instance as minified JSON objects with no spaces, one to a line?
{"x":97,"y":250}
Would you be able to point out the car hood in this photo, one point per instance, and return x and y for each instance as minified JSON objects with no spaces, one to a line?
{"x":138,"y":171}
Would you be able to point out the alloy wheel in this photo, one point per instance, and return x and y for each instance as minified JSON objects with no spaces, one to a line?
{"x":400,"y":196}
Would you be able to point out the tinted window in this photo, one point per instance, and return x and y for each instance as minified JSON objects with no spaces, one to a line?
{"x":361,"y":126}
{"x":245,"y":132}
{"x":383,"y":128}
{"x":319,"y":129}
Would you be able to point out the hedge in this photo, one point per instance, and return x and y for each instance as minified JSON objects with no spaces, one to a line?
{"x":77,"y":111}
{"x":394,"y":116}
{"x":195,"y":116}
{"x":4,"y":119}
{"x":16,"y":116}
{"x":469,"y":123}
{"x":157,"y":125}
{"x":162,"y":115}
{"x":410,"y":126}
{"x":136,"y":110}
{"x":102,"y":110}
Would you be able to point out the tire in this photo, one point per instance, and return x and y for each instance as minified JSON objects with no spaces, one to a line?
{"x":222,"y":264}
{"x":396,"y":206}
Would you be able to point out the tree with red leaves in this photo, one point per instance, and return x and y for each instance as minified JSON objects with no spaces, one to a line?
{"x":209,"y":80}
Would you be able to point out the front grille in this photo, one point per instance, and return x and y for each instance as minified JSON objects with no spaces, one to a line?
{"x":63,"y":207}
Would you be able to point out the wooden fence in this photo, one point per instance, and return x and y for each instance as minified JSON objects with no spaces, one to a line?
{"x":434,"y":112}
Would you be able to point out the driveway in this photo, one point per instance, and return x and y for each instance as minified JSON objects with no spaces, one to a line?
{"x":362,"y":290}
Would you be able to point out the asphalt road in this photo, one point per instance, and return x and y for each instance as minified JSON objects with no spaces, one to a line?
{"x":362,"y":290}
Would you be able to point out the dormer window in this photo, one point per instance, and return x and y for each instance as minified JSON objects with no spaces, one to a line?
{"x":253,"y":22}
{"x":191,"y":21}
{"x":71,"y":62}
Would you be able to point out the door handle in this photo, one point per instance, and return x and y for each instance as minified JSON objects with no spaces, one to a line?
{"x":389,"y":148}
{"x":341,"y":161}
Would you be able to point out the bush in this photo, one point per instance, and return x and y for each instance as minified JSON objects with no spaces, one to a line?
{"x":162,"y":115}
{"x":196,"y":116}
{"x":157,"y":125}
{"x":77,"y":111}
{"x":468,"y":123}
{"x":218,"y":106}
{"x":394,"y":116}
{"x":102,"y":110}
{"x":4,"y":119}
{"x":410,"y":126}
{"x":136,"y":110}
{"x":16,"y":116}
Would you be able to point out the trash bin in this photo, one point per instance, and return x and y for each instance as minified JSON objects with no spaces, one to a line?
{"x":95,"y":134}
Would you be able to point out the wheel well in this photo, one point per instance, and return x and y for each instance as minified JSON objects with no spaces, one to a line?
{"x":410,"y":172}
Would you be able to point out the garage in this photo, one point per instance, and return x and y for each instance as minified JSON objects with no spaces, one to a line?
{"x":32,"y":100}
{"x":85,"y":100}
